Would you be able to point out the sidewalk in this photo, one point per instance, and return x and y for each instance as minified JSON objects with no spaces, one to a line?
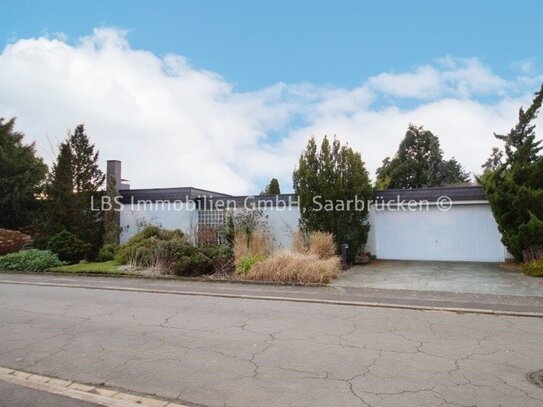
{"x":356,"y":296}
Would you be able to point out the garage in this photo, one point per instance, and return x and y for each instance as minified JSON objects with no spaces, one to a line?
{"x":444,"y":224}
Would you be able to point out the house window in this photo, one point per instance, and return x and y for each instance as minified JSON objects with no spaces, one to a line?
{"x":210,"y":226}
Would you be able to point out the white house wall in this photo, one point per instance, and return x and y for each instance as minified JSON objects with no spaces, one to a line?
{"x":282,"y":224}
{"x":169,"y":218}
{"x":466,"y":232}
{"x":370,"y":245}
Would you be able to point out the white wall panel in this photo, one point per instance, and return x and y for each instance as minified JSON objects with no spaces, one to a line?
{"x":169,"y":218}
{"x":282,"y":224}
{"x":463,"y":233}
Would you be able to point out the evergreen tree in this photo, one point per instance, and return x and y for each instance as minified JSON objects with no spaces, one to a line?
{"x":452,"y":173}
{"x":87,"y":175}
{"x":515,"y":187}
{"x":520,"y":145}
{"x":272,"y":188}
{"x":88,"y":179}
{"x":75,"y":182}
{"x":22,"y":176}
{"x":335,"y":174}
{"x":419,"y":163}
{"x":60,"y":205}
{"x":494,"y":161}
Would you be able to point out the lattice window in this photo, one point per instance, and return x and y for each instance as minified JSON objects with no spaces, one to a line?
{"x":210,"y":226}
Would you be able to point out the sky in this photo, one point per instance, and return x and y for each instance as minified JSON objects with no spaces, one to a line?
{"x":224,"y":95}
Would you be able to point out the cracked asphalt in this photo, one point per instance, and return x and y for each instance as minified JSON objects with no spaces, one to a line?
{"x":240,"y":352}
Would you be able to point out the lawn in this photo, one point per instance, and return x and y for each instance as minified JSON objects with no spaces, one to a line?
{"x":107,"y":267}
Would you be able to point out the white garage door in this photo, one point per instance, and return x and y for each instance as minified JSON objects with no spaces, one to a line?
{"x":463,"y":233}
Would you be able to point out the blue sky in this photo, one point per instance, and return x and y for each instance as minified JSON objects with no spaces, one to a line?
{"x":254,"y":44}
{"x":224,"y":94}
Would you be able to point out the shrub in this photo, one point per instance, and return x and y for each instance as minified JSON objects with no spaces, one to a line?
{"x":295,"y":267}
{"x":165,"y":251}
{"x":68,"y":247}
{"x":247,"y":262}
{"x":145,"y":238}
{"x":30,"y":260}
{"x":12,"y":241}
{"x":533,"y":268}
{"x":322,"y":244}
{"x":108,"y":252}
{"x":159,"y":255}
{"x":222,"y":257}
{"x":203,"y":259}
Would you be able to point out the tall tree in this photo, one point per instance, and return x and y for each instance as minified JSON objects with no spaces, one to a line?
{"x":328,"y":182}
{"x":61,"y":207}
{"x":88,"y":180}
{"x":515,"y":186}
{"x":21,"y":181}
{"x":521,"y":146}
{"x":419,"y":163}
{"x":453,"y":173}
{"x":494,"y":161}
{"x":75,"y":182}
{"x":87,"y":175}
{"x":272,"y":188}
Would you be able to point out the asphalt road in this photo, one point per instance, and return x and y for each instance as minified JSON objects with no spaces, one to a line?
{"x":12,"y":395}
{"x":241,"y":352}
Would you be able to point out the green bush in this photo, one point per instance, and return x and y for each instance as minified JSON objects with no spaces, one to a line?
{"x":170,"y":252}
{"x":30,"y":260}
{"x":141,"y":242}
{"x":222,"y":256}
{"x":247,"y":262}
{"x":203,"y":259}
{"x":68,"y":247}
{"x":533,"y":268}
{"x":108,"y":252}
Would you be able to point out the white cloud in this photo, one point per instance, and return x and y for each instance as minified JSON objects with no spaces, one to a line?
{"x":173,"y":125}
{"x":454,"y":77}
{"x":526,"y":66}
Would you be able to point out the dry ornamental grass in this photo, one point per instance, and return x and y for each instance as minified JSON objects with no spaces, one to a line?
{"x":257,"y":244}
{"x":299,"y":245}
{"x":296,"y":267}
{"x":322,"y":244}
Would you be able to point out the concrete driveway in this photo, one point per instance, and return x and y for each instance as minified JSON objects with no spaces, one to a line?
{"x":478,"y":278}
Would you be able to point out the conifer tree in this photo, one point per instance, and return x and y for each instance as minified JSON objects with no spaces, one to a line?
{"x":22,"y":176}
{"x":272,"y":188}
{"x":514,"y":187}
{"x":419,"y":163}
{"x":88,"y":180}
{"x":61,"y":205}
{"x":335,"y":174}
{"x":73,"y":188}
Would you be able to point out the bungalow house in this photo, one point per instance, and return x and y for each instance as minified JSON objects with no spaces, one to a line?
{"x":446,"y":224}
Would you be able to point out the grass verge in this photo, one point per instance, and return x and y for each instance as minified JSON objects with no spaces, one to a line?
{"x":107,"y":267}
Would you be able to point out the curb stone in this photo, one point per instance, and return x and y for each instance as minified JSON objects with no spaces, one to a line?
{"x":93,"y":394}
